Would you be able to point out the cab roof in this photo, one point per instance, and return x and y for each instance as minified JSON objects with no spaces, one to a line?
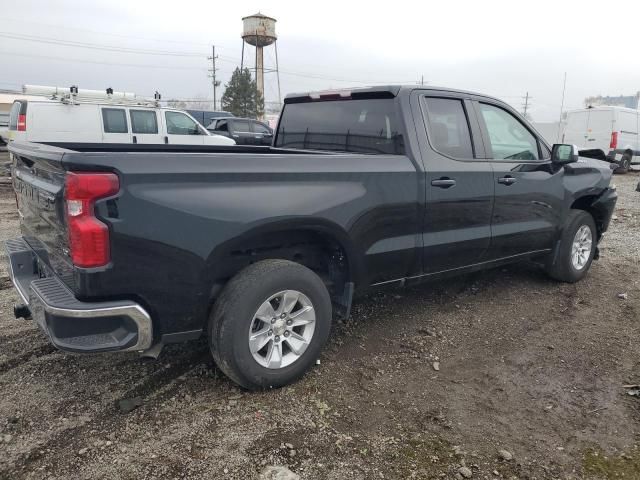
{"x":378,"y":91}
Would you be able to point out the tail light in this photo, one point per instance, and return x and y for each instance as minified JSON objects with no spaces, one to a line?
{"x":22,"y":122}
{"x":614,"y":140}
{"x":88,"y":236}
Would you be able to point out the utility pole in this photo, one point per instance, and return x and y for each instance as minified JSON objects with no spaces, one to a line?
{"x":525,"y":105}
{"x":422,"y":80}
{"x":214,"y":82}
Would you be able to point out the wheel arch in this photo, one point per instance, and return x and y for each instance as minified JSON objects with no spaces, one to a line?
{"x":323,"y":246}
{"x":589,"y":204}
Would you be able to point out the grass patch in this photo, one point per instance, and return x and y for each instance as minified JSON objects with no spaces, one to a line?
{"x":421,"y":457}
{"x":599,"y":465}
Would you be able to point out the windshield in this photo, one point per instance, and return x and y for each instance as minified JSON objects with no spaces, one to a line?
{"x":362,"y":126}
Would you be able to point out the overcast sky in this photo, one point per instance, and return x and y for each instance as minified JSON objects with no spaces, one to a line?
{"x":502,"y":48}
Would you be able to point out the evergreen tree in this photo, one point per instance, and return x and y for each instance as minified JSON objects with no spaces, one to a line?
{"x":241,"y":95}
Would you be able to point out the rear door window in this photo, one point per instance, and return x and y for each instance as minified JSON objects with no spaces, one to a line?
{"x":361,"y":126}
{"x":143,"y":121}
{"x":448,"y":127}
{"x":115,"y":120}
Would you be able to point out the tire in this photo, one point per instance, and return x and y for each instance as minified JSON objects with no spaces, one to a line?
{"x":565,"y":267}
{"x":625,"y":164}
{"x":235,"y":315}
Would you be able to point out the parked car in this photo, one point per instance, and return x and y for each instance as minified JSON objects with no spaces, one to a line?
{"x":205,"y":117}
{"x":245,"y":131}
{"x":614,"y":130}
{"x":56,"y":121}
{"x":4,"y":128}
{"x":134,"y":247}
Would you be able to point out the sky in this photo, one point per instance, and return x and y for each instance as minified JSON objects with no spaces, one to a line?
{"x":502,"y":48}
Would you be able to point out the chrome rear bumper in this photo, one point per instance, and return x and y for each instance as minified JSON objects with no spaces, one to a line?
{"x":71,"y":324}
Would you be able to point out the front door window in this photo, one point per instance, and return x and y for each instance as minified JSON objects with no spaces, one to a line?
{"x":509,"y":138}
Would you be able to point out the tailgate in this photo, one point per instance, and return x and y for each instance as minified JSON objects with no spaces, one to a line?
{"x":38,"y":180}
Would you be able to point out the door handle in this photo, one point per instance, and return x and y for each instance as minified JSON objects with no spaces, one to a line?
{"x":166,"y":139}
{"x":444,"y":182}
{"x":507,"y":180}
{"x":135,"y":139}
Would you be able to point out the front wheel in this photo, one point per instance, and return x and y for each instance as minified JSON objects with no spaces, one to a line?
{"x":577,"y":248}
{"x":269,"y":324}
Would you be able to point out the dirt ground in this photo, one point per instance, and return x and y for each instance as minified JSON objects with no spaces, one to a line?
{"x":526,"y":364}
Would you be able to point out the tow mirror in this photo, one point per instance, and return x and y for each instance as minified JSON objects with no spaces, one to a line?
{"x":562,"y":154}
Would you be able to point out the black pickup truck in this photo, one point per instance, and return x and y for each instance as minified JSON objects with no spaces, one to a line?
{"x":131,"y":247}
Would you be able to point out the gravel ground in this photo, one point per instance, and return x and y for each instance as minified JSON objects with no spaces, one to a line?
{"x":428,"y":382}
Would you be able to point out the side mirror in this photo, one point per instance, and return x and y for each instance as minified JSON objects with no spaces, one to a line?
{"x":562,"y":154}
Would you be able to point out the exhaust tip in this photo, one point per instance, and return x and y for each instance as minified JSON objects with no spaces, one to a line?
{"x":22,"y":311}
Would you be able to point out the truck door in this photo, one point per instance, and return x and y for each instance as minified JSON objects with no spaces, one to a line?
{"x":144,"y":126}
{"x":241,"y":132}
{"x":459,"y":186}
{"x":181,"y":129}
{"x":115,"y":127}
{"x":528,"y":189}
{"x":262,"y":134}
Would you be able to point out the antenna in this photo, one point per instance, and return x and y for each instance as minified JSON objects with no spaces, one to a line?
{"x":564,"y":89}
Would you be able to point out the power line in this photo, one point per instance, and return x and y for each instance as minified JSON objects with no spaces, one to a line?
{"x":96,"y":62}
{"x":112,"y":48}
{"x":95,"y":46}
{"x":13,"y":21}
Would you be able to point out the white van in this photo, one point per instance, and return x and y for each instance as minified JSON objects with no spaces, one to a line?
{"x":49,"y":121}
{"x":614,"y":130}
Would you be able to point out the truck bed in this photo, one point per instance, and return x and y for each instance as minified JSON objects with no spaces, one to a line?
{"x":185,"y":216}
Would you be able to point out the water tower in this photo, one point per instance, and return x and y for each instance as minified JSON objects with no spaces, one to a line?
{"x":259,"y":31}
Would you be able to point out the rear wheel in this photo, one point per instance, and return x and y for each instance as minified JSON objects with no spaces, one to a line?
{"x":625,"y":163}
{"x":269,"y":324}
{"x":577,"y":248}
